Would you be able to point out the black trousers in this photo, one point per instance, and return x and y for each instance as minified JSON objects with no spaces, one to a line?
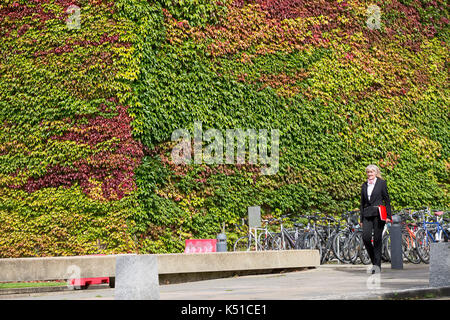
{"x":373,"y":225}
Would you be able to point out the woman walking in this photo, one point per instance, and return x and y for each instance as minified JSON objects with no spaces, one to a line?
{"x":373,"y":193}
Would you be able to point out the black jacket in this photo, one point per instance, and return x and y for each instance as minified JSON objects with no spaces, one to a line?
{"x":378,"y":196}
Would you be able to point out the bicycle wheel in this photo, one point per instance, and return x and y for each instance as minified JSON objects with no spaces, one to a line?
{"x":354,"y":247}
{"x":327,"y":253}
{"x":346,"y":249}
{"x":289,"y":241}
{"x":423,"y":241}
{"x":409,"y":249}
{"x":242,"y":244}
{"x":300,"y":242}
{"x":338,"y":246}
{"x":386,"y":252}
{"x":263,"y":241}
{"x":312,"y":242}
{"x":363,"y":254}
{"x":275,"y":242}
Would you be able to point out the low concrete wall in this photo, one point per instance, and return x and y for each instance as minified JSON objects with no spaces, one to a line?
{"x":56,"y":268}
{"x":27,"y":269}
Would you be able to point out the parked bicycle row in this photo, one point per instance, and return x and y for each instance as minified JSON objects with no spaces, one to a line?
{"x":339,"y":238}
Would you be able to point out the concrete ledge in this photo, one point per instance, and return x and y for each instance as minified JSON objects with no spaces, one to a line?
{"x":392,"y":294}
{"x":234,"y":261}
{"x":55,"y":268}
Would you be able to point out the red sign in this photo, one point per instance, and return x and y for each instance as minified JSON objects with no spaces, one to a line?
{"x":200,"y":245}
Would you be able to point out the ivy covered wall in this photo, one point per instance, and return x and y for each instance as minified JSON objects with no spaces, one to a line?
{"x":87,"y":115}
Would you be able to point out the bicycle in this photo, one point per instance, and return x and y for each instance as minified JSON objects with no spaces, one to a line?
{"x":266,"y":238}
{"x":308,"y":238}
{"x":386,"y":240}
{"x":340,"y":241}
{"x":248,"y":242}
{"x":326,"y":236}
{"x":424,"y":235}
{"x":285,"y":239}
{"x":409,"y":237}
{"x":357,"y":249}
{"x":319,"y":237}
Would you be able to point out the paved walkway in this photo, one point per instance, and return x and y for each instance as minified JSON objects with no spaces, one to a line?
{"x":325,"y":282}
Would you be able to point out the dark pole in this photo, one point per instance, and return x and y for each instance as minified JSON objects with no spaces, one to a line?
{"x":396,"y":243}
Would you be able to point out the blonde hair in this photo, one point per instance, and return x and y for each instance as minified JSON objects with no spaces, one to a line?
{"x":373,"y":167}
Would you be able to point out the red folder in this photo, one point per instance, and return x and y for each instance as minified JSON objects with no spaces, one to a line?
{"x":383,"y":214}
